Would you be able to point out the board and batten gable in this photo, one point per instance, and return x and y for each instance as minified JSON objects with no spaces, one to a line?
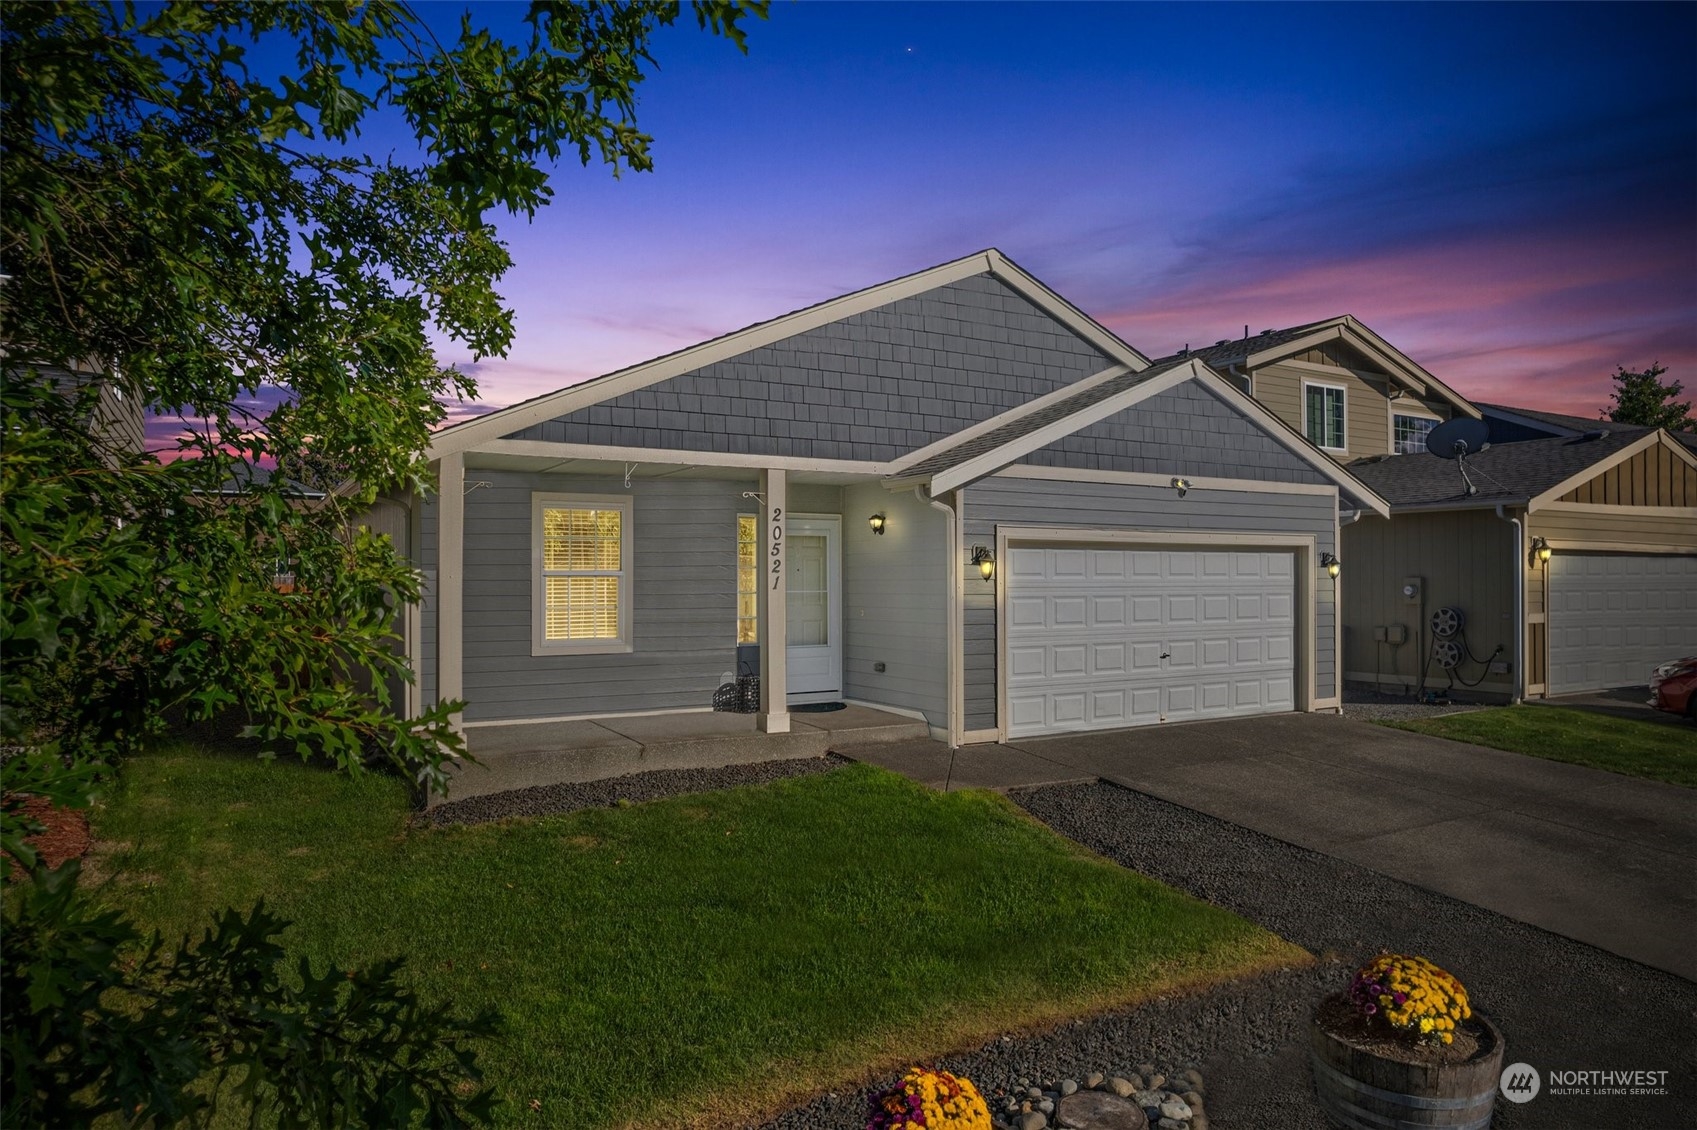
{"x":895,"y":603}
{"x":870,"y":387}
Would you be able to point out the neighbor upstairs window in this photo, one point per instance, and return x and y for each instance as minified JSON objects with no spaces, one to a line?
{"x":1323,"y":418}
{"x":1408,"y":433}
{"x":748,"y":579}
{"x":580,"y":564}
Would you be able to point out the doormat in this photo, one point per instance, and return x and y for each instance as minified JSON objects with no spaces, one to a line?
{"x":818,"y":707}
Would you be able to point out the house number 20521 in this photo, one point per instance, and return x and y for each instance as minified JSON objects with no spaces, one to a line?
{"x":777,"y":545}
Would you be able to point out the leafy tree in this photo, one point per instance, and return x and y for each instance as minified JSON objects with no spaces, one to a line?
{"x":1642,"y":398}
{"x":184,"y":207}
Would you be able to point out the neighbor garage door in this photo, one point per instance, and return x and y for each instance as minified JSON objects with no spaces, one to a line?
{"x":1099,"y":638}
{"x":1614,"y":616}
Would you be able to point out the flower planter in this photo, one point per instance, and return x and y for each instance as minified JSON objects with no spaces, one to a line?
{"x":1370,"y":1084}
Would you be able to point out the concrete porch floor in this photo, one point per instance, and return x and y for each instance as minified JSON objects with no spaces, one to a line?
{"x":522,"y":754}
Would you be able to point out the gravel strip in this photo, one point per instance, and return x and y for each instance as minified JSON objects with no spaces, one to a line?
{"x":1373,"y":706}
{"x":1561,"y":1004}
{"x":551,"y":800}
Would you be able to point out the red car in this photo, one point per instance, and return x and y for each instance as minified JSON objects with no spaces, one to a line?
{"x":1673,"y":687}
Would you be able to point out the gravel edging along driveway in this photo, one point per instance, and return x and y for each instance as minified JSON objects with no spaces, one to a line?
{"x":1561,"y":1004}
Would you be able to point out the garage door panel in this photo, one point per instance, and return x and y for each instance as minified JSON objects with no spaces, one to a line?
{"x":1613,"y":617}
{"x":1153,"y":621}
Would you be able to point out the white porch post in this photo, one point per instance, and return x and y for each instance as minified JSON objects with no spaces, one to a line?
{"x":774,"y":715}
{"x":450,"y":578}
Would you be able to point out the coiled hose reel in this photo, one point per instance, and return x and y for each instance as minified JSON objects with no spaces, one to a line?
{"x":1447,"y":623}
{"x":1447,"y":653}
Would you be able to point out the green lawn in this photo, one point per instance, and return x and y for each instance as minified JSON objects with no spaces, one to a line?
{"x":693,"y":957}
{"x":1602,"y":741}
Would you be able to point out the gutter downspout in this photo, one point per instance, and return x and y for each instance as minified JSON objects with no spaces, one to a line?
{"x":956,"y":692}
{"x":1519,"y":693}
{"x":1345,"y":518}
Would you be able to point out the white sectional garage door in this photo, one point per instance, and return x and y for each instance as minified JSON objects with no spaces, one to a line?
{"x":1100,"y":638}
{"x":1614,"y":616}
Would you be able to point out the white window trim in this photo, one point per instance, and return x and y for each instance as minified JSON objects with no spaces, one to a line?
{"x":1343,"y":391}
{"x":539,"y":644}
{"x":1421,"y":414}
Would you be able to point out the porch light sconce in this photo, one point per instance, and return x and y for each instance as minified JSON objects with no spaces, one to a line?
{"x":985,"y":560}
{"x":1540,"y":551}
{"x":877,"y":524}
{"x":1331,"y":565}
{"x":1181,"y":485}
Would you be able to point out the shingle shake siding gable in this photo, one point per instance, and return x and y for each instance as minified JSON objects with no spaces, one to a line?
{"x":872,"y":386}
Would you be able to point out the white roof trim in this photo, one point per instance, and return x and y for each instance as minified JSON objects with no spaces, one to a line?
{"x":995,"y":459}
{"x":1636,"y":447}
{"x":1015,"y":413}
{"x":1554,"y":430}
{"x":991,"y":461}
{"x":1397,"y":363}
{"x":670,"y":456}
{"x":463,"y":437}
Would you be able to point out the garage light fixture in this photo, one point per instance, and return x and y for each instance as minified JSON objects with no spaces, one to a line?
{"x":1540,"y":551}
{"x":877,"y":523}
{"x":985,"y":560}
{"x":1181,"y":485}
{"x":1331,"y":565}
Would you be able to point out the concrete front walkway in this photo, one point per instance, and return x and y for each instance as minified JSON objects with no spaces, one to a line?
{"x":1596,"y":856}
{"x":519,"y":755}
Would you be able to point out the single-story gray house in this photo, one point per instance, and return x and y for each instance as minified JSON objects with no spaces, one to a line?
{"x":951,"y":496}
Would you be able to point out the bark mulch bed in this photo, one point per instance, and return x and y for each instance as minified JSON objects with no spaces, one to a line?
{"x":64,"y":833}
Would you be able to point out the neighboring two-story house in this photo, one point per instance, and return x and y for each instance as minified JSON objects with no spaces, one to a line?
{"x":1572,"y":560}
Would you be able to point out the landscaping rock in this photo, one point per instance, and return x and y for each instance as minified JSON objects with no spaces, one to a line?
{"x":1172,"y":1124}
{"x":1068,"y":1086}
{"x":1176,"y":1109}
{"x":1193,"y":1099}
{"x":1156,"y":1082}
{"x":1034,"y":1093}
{"x":1099,"y":1110}
{"x":1149,"y":1098}
{"x":1047,"y":1106}
{"x":1093,"y":1080}
{"x":1121,"y":1087}
{"x":1036,"y":1120}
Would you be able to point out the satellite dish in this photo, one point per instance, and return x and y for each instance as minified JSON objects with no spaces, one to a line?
{"x":1458,"y":437}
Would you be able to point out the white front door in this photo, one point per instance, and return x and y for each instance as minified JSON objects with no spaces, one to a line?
{"x":815,"y":609}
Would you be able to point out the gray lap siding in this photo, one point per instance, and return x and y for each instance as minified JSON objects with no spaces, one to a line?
{"x":1010,"y":501}
{"x":683,"y":600}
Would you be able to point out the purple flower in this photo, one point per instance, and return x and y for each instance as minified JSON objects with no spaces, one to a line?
{"x":1371,"y":1008}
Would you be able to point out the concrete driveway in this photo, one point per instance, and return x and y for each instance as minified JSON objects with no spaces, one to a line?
{"x":1605,"y":859}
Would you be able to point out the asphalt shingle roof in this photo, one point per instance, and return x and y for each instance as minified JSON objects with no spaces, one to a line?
{"x":1031,"y":422}
{"x":1238,"y":351}
{"x":1503,"y":472}
{"x":1554,"y":419}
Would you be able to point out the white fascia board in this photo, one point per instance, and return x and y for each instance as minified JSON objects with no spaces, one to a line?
{"x":1147,"y":479}
{"x":1636,"y":447}
{"x":1012,"y":414}
{"x":979,"y":466}
{"x":1412,"y":367}
{"x":1065,"y":312}
{"x":1397,"y":364}
{"x":1554,"y":430}
{"x":464,"y":436}
{"x":567,"y":452}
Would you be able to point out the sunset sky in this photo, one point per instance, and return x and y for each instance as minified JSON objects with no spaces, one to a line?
{"x":1507,"y":193}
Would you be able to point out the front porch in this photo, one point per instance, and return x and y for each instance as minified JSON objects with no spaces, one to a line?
{"x":520,"y":755}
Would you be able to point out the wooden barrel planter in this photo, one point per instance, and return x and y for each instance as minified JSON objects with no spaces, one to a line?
{"x":1366,"y":1085}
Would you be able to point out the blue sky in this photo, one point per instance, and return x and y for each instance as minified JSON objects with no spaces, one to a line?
{"x":1506,"y":192}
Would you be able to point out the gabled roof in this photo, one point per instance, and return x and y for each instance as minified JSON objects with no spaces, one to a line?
{"x":1522,"y":472}
{"x":468,"y":434}
{"x":1025,"y":430}
{"x":1274,"y":345}
{"x":1555,"y":423}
